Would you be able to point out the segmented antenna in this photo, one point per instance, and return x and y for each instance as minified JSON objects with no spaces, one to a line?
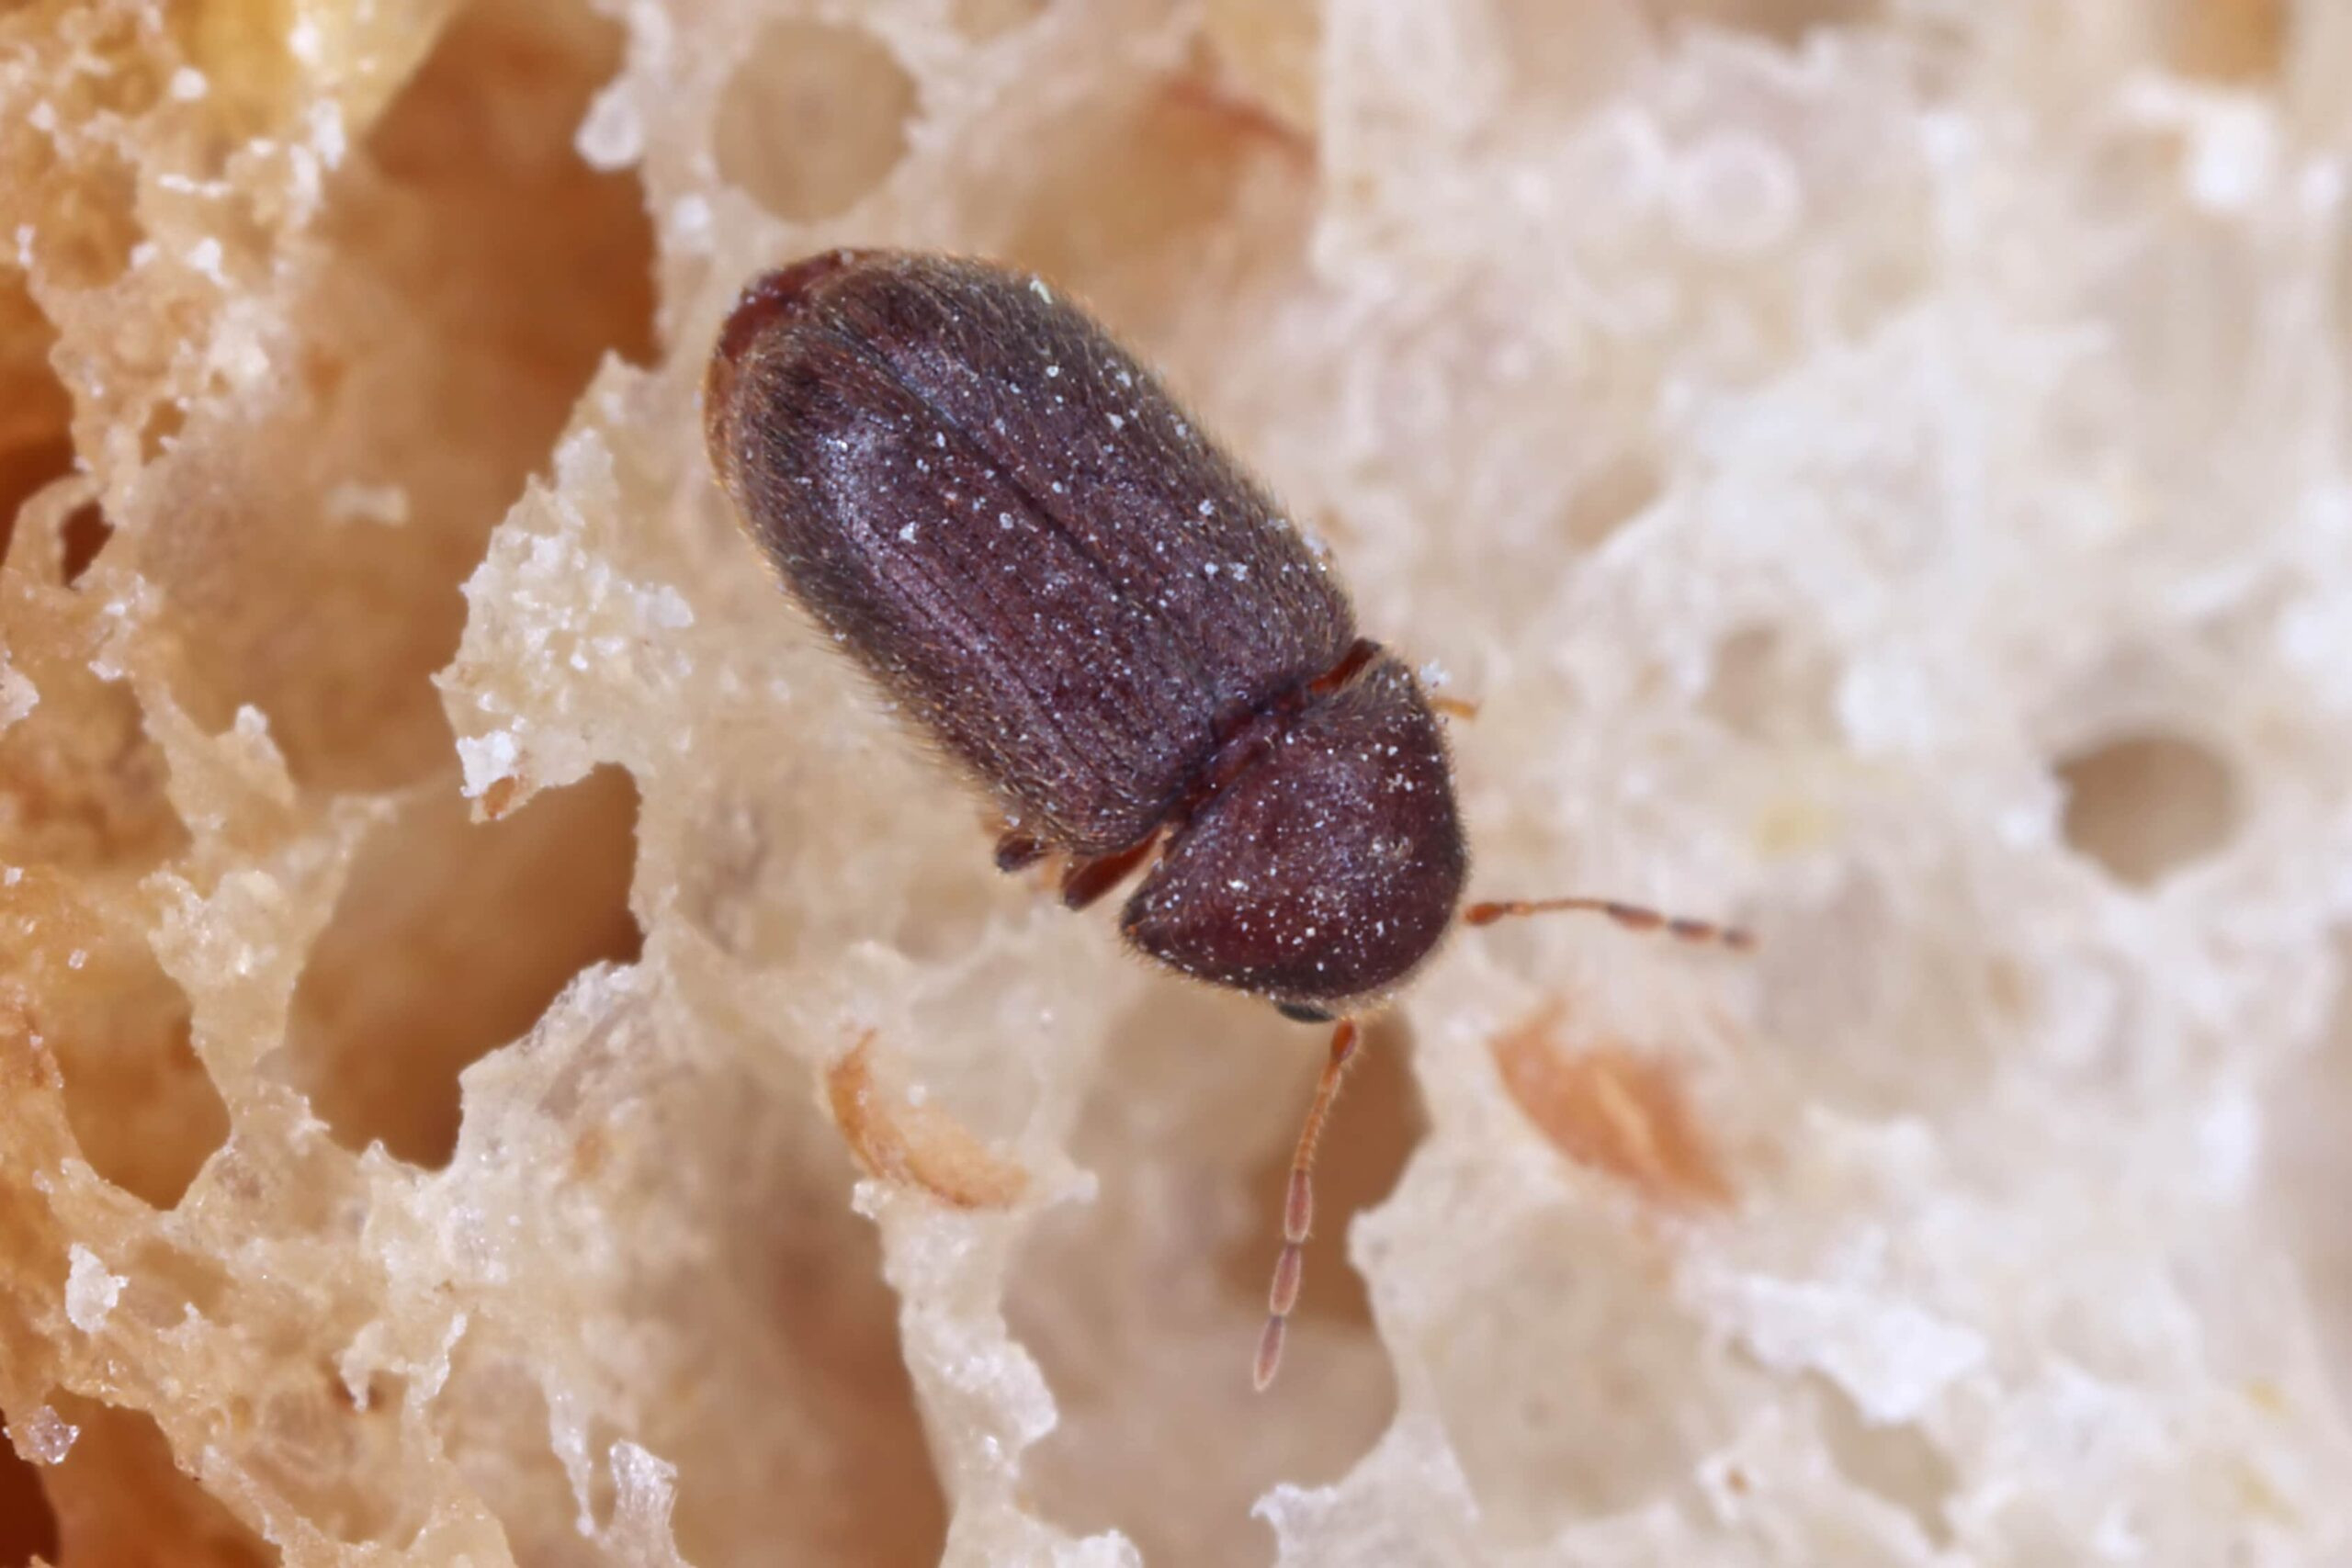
{"x":1298,"y":1208}
{"x":1632,"y":917}
{"x":1298,"y":1199}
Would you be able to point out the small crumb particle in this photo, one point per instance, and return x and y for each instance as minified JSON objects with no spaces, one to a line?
{"x":188,"y":85}
{"x":908,"y":533}
{"x":1038,"y":286}
{"x":90,"y":1291}
{"x":1208,"y":509}
{"x":1053,"y":370}
{"x":1118,"y":421}
{"x":487,"y":757}
{"x":48,"y":1436}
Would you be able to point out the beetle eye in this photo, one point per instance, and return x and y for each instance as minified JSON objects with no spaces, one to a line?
{"x":1299,"y":1012}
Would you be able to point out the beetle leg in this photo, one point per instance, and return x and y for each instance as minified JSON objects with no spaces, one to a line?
{"x":1089,"y":879}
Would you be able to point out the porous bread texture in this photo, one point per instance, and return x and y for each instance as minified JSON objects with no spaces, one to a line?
{"x":1880,"y":471}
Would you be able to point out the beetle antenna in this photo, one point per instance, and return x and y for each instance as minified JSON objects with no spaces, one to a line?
{"x":1632,"y":917}
{"x":1298,"y":1207}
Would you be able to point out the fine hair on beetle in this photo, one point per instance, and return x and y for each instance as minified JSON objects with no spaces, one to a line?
{"x":1021,"y":537}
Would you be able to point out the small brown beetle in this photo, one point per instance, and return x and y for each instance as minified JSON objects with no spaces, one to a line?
{"x":1024,"y":539}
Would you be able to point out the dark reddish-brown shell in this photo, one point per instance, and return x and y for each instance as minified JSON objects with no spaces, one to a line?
{"x":1326,"y":872}
{"x":1015,"y":529}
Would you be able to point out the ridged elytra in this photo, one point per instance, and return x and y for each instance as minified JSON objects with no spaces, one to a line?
{"x":1024,"y":539}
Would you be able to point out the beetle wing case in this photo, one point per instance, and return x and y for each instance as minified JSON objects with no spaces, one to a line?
{"x":1015,"y":529}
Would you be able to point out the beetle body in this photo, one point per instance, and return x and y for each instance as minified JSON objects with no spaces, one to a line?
{"x":1012,"y":526}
